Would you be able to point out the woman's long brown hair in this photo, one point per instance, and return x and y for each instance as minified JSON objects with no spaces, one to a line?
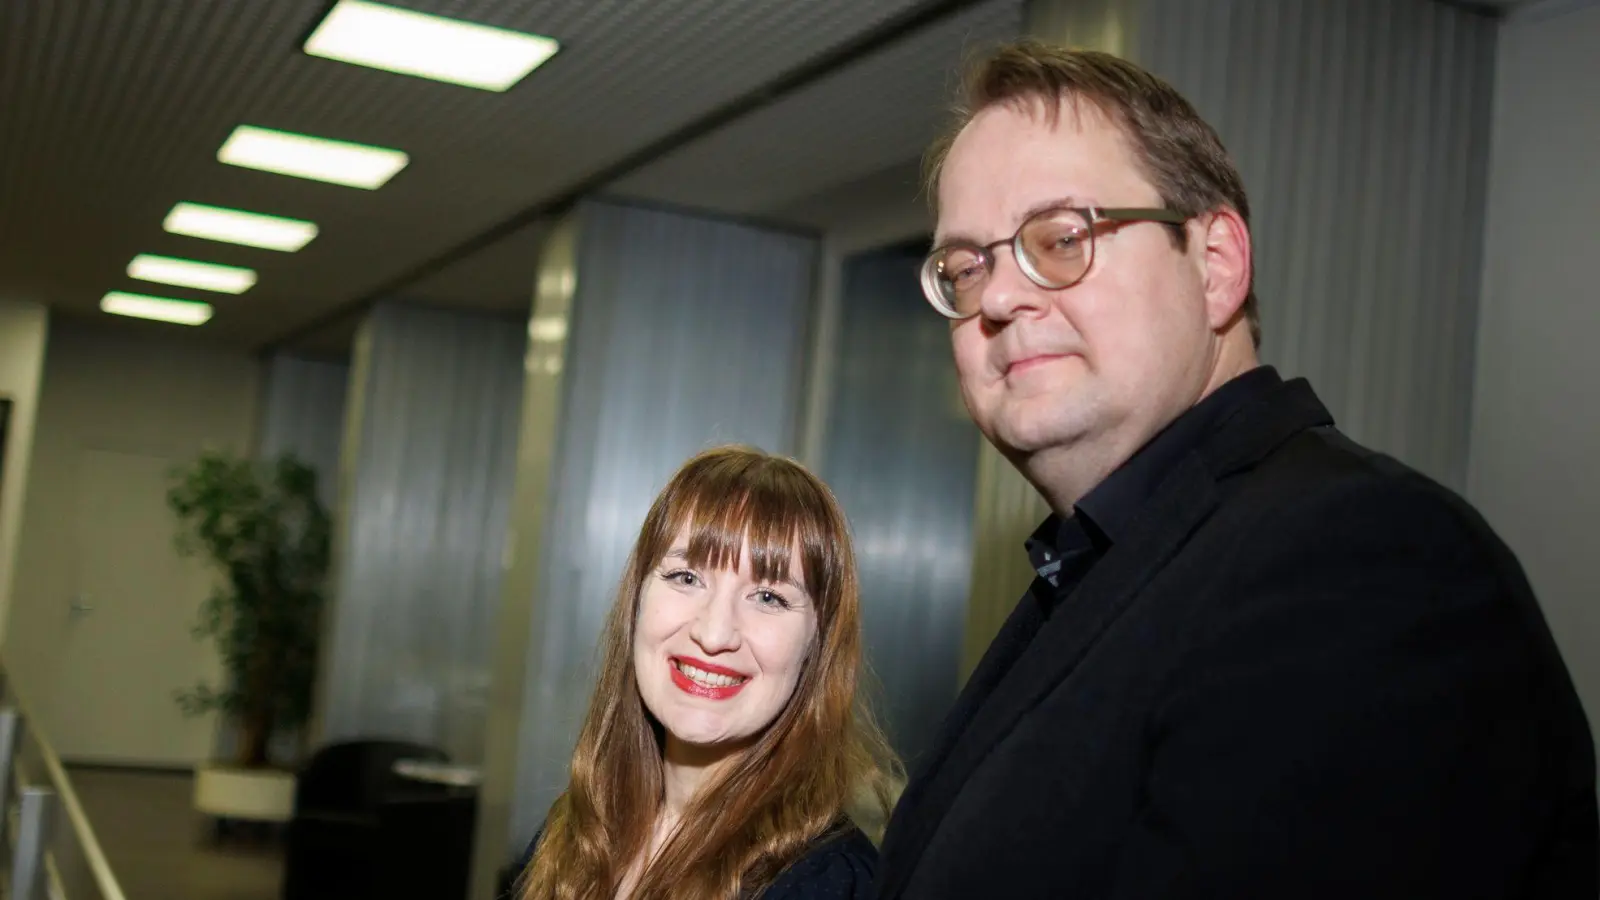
{"x":762,"y":809}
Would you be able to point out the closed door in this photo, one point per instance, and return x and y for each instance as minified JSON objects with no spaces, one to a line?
{"x":128,"y":643}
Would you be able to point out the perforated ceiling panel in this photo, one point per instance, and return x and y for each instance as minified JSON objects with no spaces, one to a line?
{"x":113,"y":110}
{"x":863,"y":119}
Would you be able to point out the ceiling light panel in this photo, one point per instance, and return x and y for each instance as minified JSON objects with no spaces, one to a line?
{"x":160,"y":309}
{"x":188,"y":273}
{"x":427,"y":46}
{"x":303,"y":156}
{"x":233,"y":226}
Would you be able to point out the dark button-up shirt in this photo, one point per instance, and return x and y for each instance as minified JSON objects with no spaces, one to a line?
{"x":1064,"y":548}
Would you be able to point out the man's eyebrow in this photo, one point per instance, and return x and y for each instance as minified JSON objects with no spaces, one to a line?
{"x":944,"y":240}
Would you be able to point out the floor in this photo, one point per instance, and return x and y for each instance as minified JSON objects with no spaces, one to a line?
{"x":161,"y":849}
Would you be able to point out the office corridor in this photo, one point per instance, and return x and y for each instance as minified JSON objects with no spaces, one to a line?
{"x":160,"y":848}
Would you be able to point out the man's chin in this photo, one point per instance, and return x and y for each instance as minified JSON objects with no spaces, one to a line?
{"x":1019,"y":437}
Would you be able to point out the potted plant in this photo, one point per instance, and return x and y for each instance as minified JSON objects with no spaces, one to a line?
{"x":262,"y":525}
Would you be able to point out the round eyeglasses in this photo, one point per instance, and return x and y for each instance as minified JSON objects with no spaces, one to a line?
{"x":1054,"y":248}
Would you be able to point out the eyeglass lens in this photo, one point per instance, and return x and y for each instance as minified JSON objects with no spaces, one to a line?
{"x":1056,"y":249}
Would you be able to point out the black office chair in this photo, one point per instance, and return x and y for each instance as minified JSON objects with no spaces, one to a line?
{"x":338,"y":844}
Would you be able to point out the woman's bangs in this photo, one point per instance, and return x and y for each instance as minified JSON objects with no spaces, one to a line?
{"x":719,"y":527}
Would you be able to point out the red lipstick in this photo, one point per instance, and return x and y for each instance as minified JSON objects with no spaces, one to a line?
{"x":690,"y":686}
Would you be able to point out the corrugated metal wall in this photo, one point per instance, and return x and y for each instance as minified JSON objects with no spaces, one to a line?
{"x":686,"y":332}
{"x":1361,"y":128}
{"x":900,"y":452}
{"x":304,"y":415}
{"x":433,"y":427}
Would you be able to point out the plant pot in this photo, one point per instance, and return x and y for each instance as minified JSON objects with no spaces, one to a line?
{"x":228,"y":793}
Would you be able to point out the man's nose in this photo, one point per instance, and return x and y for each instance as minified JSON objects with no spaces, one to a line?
{"x":1007,"y":292}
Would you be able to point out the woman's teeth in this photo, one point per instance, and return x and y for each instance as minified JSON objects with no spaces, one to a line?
{"x":707,"y":679}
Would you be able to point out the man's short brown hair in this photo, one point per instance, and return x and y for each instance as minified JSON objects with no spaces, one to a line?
{"x":1180,"y":153}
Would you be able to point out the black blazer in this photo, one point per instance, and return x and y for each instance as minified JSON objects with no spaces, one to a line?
{"x":1306,"y":672}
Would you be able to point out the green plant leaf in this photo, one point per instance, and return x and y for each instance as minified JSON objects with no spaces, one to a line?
{"x":263,"y":528}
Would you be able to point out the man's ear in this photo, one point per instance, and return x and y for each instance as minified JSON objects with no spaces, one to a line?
{"x":1227,"y":261}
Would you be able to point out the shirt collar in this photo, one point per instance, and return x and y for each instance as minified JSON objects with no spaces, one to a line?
{"x":1104,"y":515}
{"x":1053,"y":543}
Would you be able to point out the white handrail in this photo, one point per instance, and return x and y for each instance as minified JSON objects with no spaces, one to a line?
{"x":93,"y":856}
{"x":30,"y":880}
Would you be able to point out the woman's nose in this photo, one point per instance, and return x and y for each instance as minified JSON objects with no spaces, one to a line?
{"x":716,"y":628}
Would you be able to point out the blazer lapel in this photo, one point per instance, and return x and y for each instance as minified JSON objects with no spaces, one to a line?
{"x":1017,"y":673}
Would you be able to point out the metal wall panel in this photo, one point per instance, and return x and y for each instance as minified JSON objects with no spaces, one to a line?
{"x":686,"y":332}
{"x":1361,"y":129}
{"x":435,"y":411}
{"x":304,"y":415}
{"x":1005,"y":511}
{"x":901,"y":454}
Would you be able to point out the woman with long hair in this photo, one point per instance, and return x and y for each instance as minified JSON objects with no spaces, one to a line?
{"x":724,"y":741}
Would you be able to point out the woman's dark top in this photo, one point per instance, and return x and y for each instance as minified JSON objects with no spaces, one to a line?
{"x":838,"y":866}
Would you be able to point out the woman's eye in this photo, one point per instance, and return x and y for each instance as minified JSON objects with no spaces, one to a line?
{"x":772,"y":599}
{"x":683,"y":577}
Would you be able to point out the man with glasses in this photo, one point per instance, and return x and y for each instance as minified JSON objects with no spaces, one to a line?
{"x":1259,"y":660}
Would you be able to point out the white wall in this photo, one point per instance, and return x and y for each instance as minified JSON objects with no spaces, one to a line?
{"x":23,"y":327}
{"x":1534,"y":457}
{"x":113,"y":389}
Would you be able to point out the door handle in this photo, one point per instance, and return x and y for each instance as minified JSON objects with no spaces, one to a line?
{"x":80,"y":608}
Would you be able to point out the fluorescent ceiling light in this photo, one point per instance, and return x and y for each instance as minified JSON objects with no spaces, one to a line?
{"x":161,"y":309}
{"x":413,"y":43}
{"x":188,"y":273}
{"x":236,"y":227}
{"x":319,"y":159}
